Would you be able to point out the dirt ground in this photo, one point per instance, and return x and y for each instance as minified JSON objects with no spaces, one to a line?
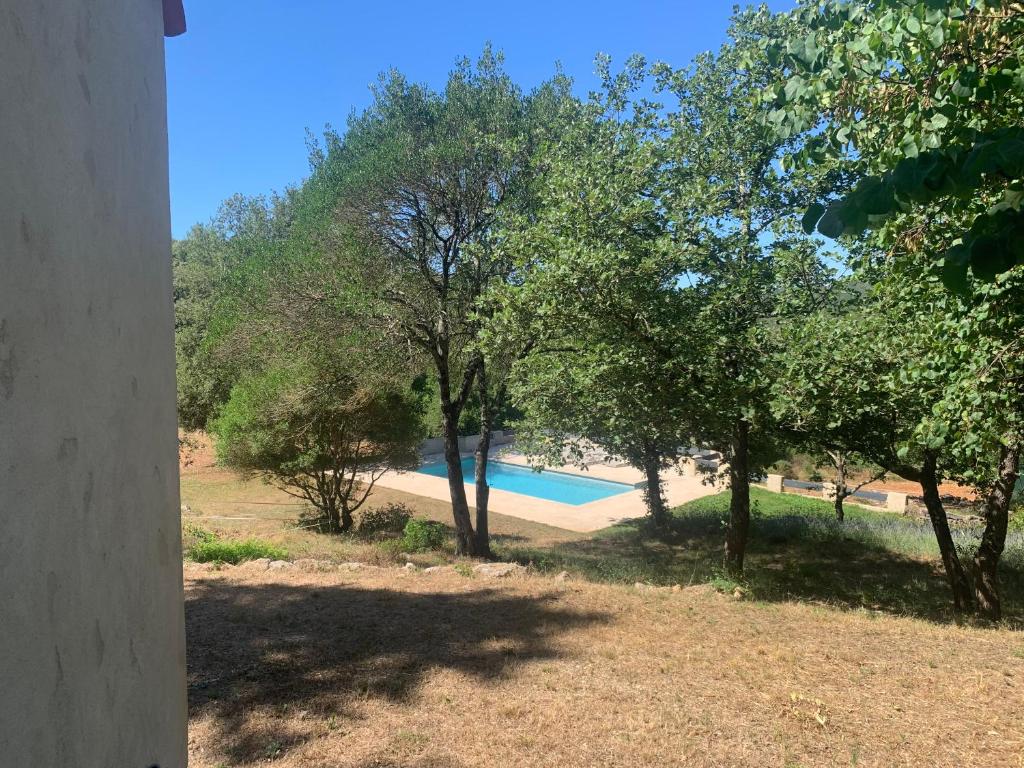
{"x":385,"y":667}
{"x":195,"y":451}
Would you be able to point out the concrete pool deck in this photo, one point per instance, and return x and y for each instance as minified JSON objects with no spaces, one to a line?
{"x":591,"y":516}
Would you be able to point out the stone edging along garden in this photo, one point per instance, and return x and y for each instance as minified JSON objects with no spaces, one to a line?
{"x":488,"y":570}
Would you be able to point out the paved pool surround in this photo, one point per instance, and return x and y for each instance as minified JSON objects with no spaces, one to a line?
{"x":587,"y":517}
{"x":563,"y":487}
{"x":92,"y":651}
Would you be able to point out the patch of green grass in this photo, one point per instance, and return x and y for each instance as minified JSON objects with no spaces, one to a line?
{"x":272,"y":750}
{"x":192,"y":534}
{"x":1016,"y":522}
{"x":724,"y":584}
{"x":209,"y":548}
{"x":410,"y":739}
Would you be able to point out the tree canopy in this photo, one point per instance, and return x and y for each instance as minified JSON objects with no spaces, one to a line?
{"x":318,"y":433}
{"x":595,"y":300}
{"x":645,"y":271}
{"x":926,"y":100}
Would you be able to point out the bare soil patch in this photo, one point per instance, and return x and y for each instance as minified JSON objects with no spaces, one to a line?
{"x":386,"y":667}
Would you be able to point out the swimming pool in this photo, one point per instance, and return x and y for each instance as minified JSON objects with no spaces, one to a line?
{"x":553,"y":486}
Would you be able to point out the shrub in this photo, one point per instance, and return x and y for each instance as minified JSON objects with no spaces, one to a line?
{"x":422,"y":535}
{"x":392,"y":549}
{"x":192,"y":534}
{"x":389,"y":518}
{"x":214,"y":550}
{"x":319,"y":432}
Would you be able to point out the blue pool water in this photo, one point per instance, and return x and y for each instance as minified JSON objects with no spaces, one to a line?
{"x":553,"y":486}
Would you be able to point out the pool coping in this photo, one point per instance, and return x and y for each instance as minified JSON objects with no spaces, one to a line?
{"x":591,"y":516}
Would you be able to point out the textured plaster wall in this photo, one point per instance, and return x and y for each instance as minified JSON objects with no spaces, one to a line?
{"x":92,"y":657}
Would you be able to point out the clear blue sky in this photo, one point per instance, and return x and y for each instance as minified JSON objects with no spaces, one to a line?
{"x":248,"y":78}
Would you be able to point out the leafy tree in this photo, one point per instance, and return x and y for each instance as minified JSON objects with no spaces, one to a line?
{"x":981,"y":415}
{"x":745,"y":258}
{"x":840,"y":462}
{"x":923,"y":103}
{"x":915,"y":397}
{"x":822,"y":347}
{"x":319,"y":434}
{"x":926,"y":100}
{"x":404,"y":206}
{"x":868,"y":409}
{"x":596,"y":300}
{"x":205,"y":266}
{"x":667,"y":247}
{"x":198,"y":264}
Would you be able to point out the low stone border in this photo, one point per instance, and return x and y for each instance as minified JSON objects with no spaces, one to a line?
{"x":487,"y":570}
{"x":894,"y":500}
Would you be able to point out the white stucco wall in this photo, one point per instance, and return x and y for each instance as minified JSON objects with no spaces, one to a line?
{"x":92,"y":656}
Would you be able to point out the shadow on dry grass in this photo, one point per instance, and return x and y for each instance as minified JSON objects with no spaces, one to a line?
{"x":797,"y":552}
{"x":259,"y":652}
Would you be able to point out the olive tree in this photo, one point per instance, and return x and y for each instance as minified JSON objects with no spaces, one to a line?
{"x":410,"y":197}
{"x":205,"y":266}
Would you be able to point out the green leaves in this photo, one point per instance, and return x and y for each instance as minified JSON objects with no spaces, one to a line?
{"x":596,"y":299}
{"x":875,"y":197}
{"x":955,"y":266}
{"x":995,"y":243}
{"x":809,"y":222}
{"x":312,"y":427}
{"x":925,"y":102}
{"x":831,"y":224}
{"x":990,"y":247}
{"x":998,"y":154}
{"x":806,"y":49}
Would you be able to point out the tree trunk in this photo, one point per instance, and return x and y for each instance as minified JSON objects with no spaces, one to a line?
{"x":839,"y":462}
{"x":739,"y":502}
{"x":483,"y":447}
{"x":465,"y":540}
{"x":958,"y":581}
{"x":656,"y":506}
{"x":333,"y":518}
{"x":997,"y":509}
{"x":346,"y":518}
{"x":838,"y":503}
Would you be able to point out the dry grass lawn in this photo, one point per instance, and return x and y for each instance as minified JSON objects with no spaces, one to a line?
{"x":219,"y":500}
{"x":385,"y":667}
{"x":848,"y":658}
